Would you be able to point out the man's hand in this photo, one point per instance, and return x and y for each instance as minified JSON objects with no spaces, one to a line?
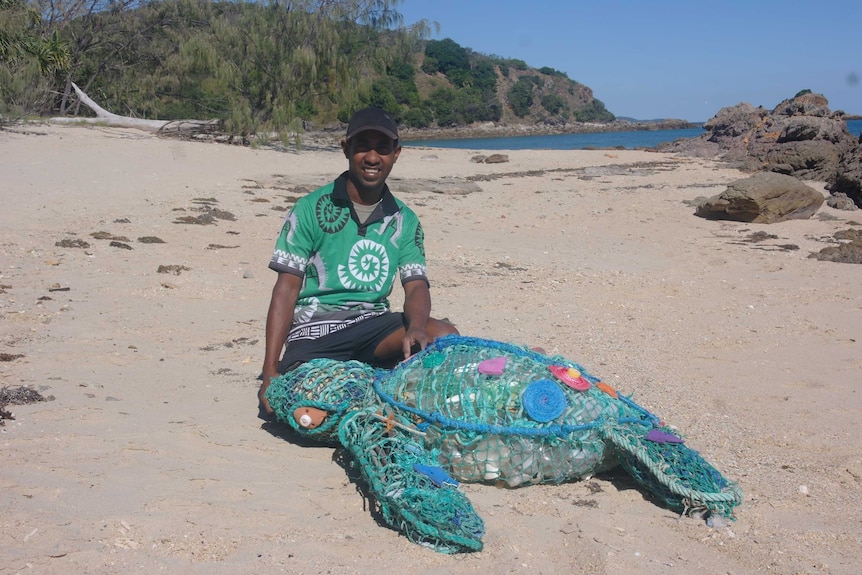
{"x":413,"y":338}
{"x":417,"y":309}
{"x":268,"y":376}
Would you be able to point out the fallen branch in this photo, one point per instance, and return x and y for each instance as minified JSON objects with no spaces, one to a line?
{"x":167,"y":127}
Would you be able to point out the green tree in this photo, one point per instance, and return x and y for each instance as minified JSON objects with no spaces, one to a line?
{"x":260,"y":66}
{"x":554,"y":104}
{"x":594,"y":112}
{"x":551,"y":71}
{"x":29,"y":57}
{"x":449,"y":55}
{"x":520,"y":96}
{"x":320,"y":50}
{"x":419,"y":117}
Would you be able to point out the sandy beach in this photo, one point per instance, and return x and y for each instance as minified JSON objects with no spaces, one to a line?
{"x":134,"y":287}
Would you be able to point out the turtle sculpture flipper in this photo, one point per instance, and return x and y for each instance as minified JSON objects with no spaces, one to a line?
{"x":413,"y":493}
{"x":488,"y":411}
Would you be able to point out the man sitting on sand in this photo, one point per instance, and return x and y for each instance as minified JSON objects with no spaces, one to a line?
{"x":337,"y":257}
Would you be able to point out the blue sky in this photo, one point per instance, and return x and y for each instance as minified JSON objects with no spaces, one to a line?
{"x":670,"y":59}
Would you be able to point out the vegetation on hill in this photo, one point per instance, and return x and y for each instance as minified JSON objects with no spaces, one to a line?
{"x":266,"y":66}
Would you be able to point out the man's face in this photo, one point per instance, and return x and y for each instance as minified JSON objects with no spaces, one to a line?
{"x":370,"y":156}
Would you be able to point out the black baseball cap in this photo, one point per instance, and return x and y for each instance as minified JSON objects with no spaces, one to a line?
{"x":372,"y":119}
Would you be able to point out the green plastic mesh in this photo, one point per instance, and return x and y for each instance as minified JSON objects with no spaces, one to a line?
{"x":334,"y":386}
{"x":675,"y":474}
{"x":478,"y":421}
{"x":437,"y":516}
{"x":486,"y":411}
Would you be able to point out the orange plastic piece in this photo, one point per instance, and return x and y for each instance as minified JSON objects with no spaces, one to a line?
{"x":608,"y":389}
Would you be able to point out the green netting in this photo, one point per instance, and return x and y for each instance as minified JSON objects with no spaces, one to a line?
{"x":334,"y":386}
{"x":438,"y":516}
{"x":675,"y":474}
{"x":487,"y":411}
{"x":478,"y":421}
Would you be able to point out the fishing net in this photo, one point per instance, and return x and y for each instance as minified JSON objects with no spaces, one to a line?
{"x":414,"y":495}
{"x":333,"y":386}
{"x":496,"y":412}
{"x":674,"y":473}
{"x":484,"y":411}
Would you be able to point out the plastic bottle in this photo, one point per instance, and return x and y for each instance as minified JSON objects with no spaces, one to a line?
{"x":491,"y":456}
{"x":522,"y":466}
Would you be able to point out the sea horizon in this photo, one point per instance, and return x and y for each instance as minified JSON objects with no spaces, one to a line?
{"x":599,"y":140}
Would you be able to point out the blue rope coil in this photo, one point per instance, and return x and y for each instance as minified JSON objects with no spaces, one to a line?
{"x":543,"y":400}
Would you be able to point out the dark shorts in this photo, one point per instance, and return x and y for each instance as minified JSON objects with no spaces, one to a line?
{"x":355,"y":342}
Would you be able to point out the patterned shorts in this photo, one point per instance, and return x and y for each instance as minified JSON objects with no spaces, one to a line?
{"x":355,"y":342}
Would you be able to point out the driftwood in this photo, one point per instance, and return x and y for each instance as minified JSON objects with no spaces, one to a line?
{"x":174,"y":128}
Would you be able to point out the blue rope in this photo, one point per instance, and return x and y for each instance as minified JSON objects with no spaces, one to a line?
{"x":443,"y":421}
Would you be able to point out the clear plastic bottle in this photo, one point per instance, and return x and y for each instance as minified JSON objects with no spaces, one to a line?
{"x":522,"y":465}
{"x":491,"y":455}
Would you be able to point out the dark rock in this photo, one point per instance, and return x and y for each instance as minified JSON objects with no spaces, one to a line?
{"x":840,"y":201}
{"x":809,"y":104}
{"x":497,"y":159}
{"x":801,"y":137}
{"x":849,"y":251}
{"x":172,"y":269}
{"x":72,"y":243}
{"x":847,"y":179}
{"x":733,"y":123}
{"x":763,"y":198}
{"x":806,"y":159}
{"x":492,"y":159}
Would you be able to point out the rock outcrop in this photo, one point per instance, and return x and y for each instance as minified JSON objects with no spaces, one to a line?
{"x":764,"y":198}
{"x":848,"y":177}
{"x":801,"y":137}
{"x":848,"y":249}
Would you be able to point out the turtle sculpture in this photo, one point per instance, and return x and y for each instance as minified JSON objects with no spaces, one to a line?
{"x":474,"y":410}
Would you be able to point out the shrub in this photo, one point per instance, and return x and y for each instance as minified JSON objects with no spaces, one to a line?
{"x":520,"y":96}
{"x":551,"y":71}
{"x":430,"y":65}
{"x":449,"y":54}
{"x":594,"y":112}
{"x":554,"y":104}
{"x":418,"y":117}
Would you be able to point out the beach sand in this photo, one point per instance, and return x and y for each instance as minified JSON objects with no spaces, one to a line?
{"x":150,"y":457}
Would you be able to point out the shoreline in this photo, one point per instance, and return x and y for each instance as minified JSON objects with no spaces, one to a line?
{"x":492,"y":130}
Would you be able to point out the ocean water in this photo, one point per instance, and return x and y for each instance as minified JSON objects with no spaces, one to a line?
{"x":629,"y":140}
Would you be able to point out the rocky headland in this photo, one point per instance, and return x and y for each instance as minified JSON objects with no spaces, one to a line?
{"x":800,"y":137}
